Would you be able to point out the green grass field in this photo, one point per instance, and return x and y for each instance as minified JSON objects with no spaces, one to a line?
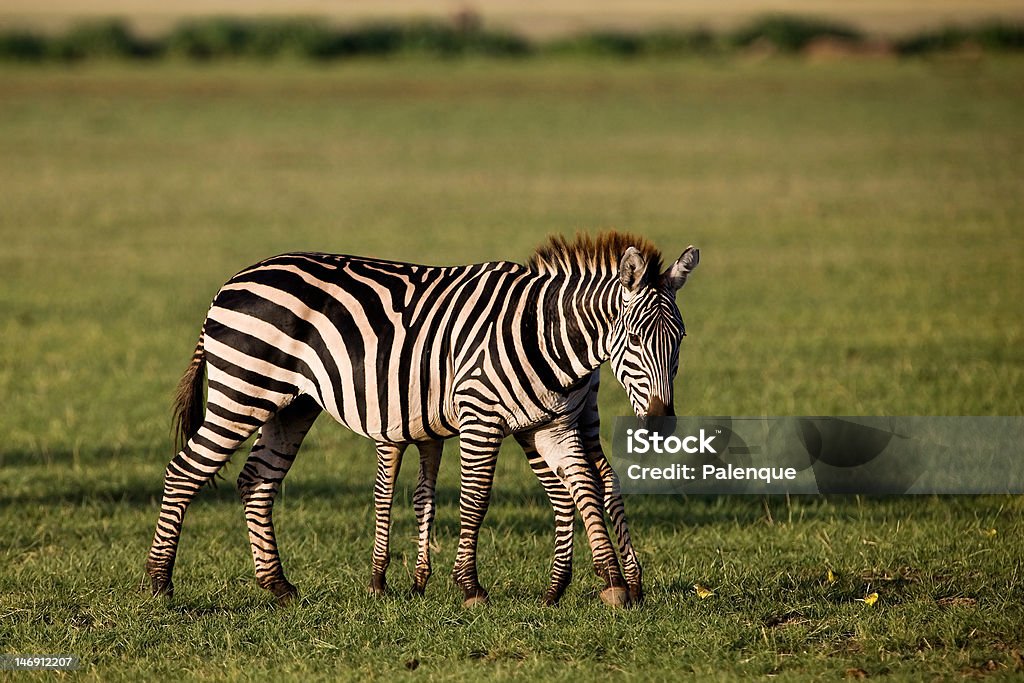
{"x":860,"y":226}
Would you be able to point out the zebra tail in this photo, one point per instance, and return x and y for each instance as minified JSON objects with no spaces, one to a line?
{"x":188,"y":399}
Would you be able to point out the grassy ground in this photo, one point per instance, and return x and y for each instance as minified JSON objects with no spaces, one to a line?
{"x":861,"y":250}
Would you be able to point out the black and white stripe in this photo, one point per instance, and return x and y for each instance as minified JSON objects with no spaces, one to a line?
{"x":407,"y":354}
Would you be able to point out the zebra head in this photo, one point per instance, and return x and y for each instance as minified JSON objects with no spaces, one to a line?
{"x":647,"y":333}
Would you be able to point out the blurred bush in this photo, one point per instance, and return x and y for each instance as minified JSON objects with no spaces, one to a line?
{"x":659,"y":43}
{"x":995,"y":36}
{"x":1000,"y":36}
{"x":374,"y":40}
{"x":791,"y":34}
{"x":22,"y":46}
{"x":314,"y":39}
{"x":105,"y":39}
{"x":598,"y":44}
{"x":216,"y":38}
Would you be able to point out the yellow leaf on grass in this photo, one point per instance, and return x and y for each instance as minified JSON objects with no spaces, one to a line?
{"x":702,"y":592}
{"x":869,"y":599}
{"x":988,"y":533}
{"x":831,"y":577}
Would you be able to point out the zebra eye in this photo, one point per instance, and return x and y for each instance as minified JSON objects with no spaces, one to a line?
{"x":634,"y":339}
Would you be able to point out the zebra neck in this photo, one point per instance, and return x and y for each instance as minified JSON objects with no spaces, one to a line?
{"x":574,"y":317}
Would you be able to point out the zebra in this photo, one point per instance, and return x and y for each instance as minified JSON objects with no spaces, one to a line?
{"x":404,"y":354}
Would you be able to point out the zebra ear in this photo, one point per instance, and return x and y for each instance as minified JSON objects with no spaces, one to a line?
{"x":675,"y":276}
{"x":631,"y":269}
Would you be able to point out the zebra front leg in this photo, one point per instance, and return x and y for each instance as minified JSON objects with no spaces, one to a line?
{"x":564,"y":511}
{"x":202,"y":457}
{"x":590,"y":435}
{"x":478,"y":456}
{"x":258,"y":483}
{"x":562,"y":450}
{"x":424,"y":502}
{"x":389,"y":458}
{"x":631,"y":569}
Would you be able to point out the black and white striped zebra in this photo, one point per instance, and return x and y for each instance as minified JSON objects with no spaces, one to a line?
{"x":414,"y":354}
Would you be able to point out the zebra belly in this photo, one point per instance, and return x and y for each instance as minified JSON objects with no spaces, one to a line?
{"x":555,"y":407}
{"x":520,"y":405}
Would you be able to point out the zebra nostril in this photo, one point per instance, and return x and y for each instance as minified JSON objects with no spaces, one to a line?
{"x":660,"y":417}
{"x":657,"y":408}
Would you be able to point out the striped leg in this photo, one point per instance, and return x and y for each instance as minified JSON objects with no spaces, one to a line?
{"x":424,"y":502}
{"x":590,"y":433}
{"x":203,"y":455}
{"x":389,"y":458}
{"x":268,"y":463}
{"x":478,"y":457}
{"x":565,"y":515}
{"x":562,"y":450}
{"x":631,"y":569}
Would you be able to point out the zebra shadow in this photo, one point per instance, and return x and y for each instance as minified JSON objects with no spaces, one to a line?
{"x":65,"y":478}
{"x":62,"y":478}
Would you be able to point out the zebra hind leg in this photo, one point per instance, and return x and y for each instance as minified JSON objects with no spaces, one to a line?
{"x":202,"y":457}
{"x":389,"y":458}
{"x":424,"y":501}
{"x":258,"y":483}
{"x":479,"y":444}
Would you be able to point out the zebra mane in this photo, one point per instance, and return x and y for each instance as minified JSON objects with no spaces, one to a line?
{"x":586,"y":254}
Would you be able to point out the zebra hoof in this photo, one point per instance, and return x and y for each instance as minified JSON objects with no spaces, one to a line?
{"x":636,"y":595}
{"x":418,"y":591}
{"x":284,"y":593}
{"x":161,"y":587}
{"x":476,"y":601}
{"x":378,"y":586}
{"x":614,"y":596}
{"x":551,"y":599}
